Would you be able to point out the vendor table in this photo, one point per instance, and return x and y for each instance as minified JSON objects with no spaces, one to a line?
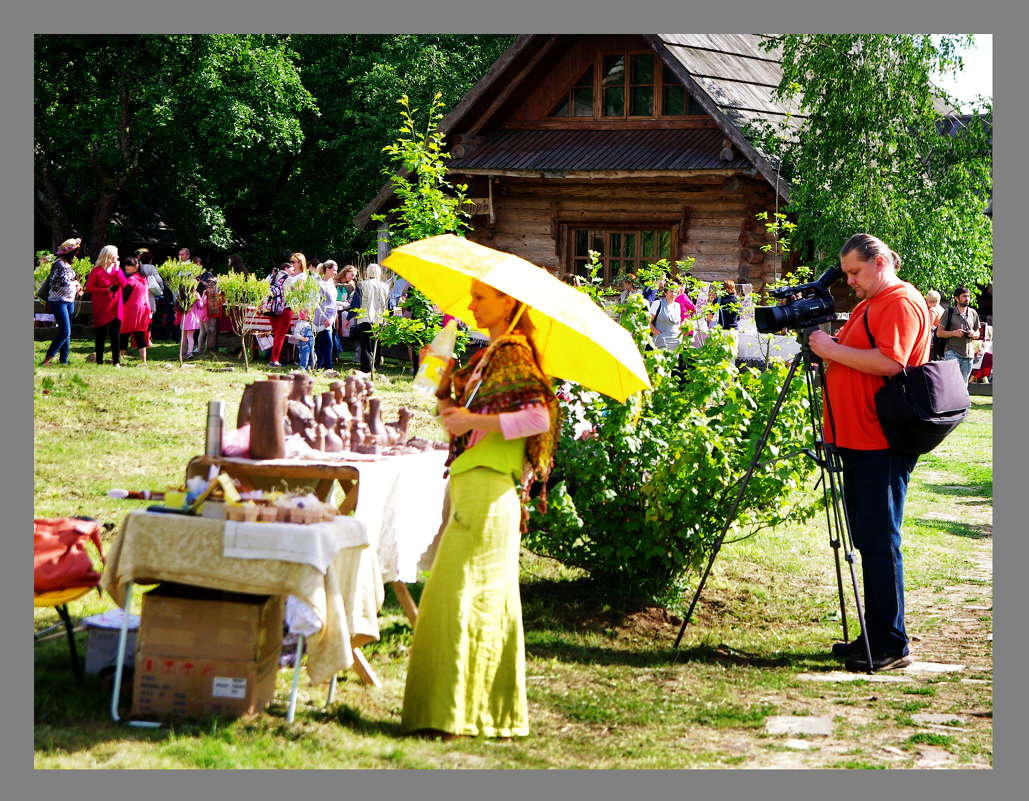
{"x":345,"y":596}
{"x":398,"y":498}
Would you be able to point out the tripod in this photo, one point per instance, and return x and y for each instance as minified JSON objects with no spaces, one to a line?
{"x":828,"y":461}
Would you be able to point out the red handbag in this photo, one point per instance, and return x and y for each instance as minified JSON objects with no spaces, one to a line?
{"x":61,"y":559}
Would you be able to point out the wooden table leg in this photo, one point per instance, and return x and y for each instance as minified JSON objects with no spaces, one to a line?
{"x":364,"y":670}
{"x":406,"y":601}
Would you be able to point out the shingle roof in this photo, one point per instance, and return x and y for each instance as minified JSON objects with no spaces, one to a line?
{"x":690,"y":149}
{"x":734,"y":72}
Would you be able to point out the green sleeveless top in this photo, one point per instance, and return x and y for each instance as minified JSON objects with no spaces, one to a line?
{"x":494,"y":452}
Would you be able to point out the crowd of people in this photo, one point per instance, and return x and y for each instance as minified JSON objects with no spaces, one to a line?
{"x":131,"y":303}
{"x":675,"y":317}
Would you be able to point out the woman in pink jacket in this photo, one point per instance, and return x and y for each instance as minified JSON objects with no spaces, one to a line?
{"x":136,"y":314}
{"x":104,"y":285}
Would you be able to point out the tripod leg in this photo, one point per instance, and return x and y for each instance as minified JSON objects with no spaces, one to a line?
{"x":839,"y":520}
{"x":696,"y":595}
{"x":743,"y":487}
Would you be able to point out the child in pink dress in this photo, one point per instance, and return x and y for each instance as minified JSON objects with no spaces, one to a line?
{"x":194,"y":317}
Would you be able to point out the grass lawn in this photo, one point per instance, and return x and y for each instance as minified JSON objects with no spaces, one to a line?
{"x":606,"y":688}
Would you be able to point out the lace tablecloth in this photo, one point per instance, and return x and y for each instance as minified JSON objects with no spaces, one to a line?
{"x":153,"y":547}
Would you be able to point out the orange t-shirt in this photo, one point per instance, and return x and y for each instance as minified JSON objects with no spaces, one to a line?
{"x":900,"y":323}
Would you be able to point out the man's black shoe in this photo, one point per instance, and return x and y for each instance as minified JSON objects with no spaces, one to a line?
{"x":887,"y":661}
{"x":845,"y":650}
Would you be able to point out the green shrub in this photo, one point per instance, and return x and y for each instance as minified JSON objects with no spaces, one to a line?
{"x":640,"y":491}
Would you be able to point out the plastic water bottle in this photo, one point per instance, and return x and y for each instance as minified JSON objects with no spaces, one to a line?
{"x":435,"y":359}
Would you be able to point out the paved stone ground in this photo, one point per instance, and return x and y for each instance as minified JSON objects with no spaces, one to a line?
{"x":864,"y":721}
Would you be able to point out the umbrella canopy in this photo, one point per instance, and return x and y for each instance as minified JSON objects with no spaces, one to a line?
{"x":576,"y":339}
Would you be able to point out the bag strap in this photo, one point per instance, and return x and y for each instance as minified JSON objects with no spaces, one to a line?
{"x":886,"y":379}
{"x":867,"y":329}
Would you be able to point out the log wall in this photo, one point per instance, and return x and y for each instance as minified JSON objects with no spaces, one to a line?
{"x":715,"y":226}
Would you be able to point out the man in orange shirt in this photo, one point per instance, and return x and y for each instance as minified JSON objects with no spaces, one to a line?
{"x":875,"y":478}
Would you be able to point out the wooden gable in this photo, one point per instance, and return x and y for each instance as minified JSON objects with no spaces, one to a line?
{"x":549,"y":188}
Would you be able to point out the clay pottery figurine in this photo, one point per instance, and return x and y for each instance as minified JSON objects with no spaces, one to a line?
{"x":302,"y":385}
{"x":343,"y":432}
{"x":301,"y":421}
{"x":330,"y":420}
{"x":400,"y":426}
{"x":375,"y":424}
{"x":267,"y":409}
{"x":336,"y":388}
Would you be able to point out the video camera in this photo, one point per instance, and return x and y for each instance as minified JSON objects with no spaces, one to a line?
{"x":807,"y":305}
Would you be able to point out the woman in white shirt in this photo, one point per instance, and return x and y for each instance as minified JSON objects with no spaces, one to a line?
{"x":325,"y":315}
{"x":666,"y":319}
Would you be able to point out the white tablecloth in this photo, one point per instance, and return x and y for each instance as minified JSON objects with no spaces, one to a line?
{"x":400,"y":500}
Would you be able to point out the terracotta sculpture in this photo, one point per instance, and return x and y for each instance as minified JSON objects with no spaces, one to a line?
{"x":329,"y":420}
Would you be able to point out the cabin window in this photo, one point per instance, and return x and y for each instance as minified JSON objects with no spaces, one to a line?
{"x":622,"y":250}
{"x":628,"y":85}
{"x":579,"y":100}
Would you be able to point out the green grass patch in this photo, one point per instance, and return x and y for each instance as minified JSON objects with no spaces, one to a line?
{"x":606,"y":687}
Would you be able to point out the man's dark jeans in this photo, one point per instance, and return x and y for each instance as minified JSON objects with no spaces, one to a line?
{"x":875,"y":485}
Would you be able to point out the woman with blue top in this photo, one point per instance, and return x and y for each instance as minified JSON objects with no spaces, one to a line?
{"x":466,"y":674}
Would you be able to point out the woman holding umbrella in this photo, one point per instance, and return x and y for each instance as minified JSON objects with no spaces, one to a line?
{"x":466,"y":674}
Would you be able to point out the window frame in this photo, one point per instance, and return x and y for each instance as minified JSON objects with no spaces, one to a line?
{"x":660,"y":72}
{"x":609,"y":227}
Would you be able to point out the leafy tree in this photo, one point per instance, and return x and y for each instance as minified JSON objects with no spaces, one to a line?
{"x":179,"y":277}
{"x":302,"y":296}
{"x":873,"y":156}
{"x":195,"y":125}
{"x":429,"y":205}
{"x":261,"y":144}
{"x":356,"y":79}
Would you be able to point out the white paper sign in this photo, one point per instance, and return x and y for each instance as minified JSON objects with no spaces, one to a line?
{"x":229,"y":687}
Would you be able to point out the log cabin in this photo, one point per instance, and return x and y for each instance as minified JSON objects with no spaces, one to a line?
{"x":633,"y":146}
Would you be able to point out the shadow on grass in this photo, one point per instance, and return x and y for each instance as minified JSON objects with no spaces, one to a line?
{"x":577,"y":621}
{"x":982,"y":489}
{"x":977,"y":531}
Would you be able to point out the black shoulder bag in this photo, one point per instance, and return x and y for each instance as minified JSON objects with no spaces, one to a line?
{"x":921,"y":405}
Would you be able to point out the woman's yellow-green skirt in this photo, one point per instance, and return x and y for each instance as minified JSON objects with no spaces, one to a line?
{"x":466,"y":673}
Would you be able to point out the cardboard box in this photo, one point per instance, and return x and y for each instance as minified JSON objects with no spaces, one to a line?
{"x":169,"y":686}
{"x":179,"y":620}
{"x":103,"y":631}
{"x":206,"y":652}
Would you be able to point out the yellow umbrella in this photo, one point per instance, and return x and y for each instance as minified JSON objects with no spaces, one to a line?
{"x":576,"y":340}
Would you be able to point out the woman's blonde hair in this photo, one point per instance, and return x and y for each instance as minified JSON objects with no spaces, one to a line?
{"x":301,"y":258}
{"x":107,"y":255}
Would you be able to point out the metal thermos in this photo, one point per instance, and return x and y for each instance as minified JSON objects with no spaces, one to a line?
{"x":213,"y":443}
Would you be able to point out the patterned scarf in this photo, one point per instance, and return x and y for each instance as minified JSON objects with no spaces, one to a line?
{"x":511,"y":379}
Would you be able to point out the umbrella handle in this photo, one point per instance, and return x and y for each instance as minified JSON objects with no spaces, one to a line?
{"x":510,"y":328}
